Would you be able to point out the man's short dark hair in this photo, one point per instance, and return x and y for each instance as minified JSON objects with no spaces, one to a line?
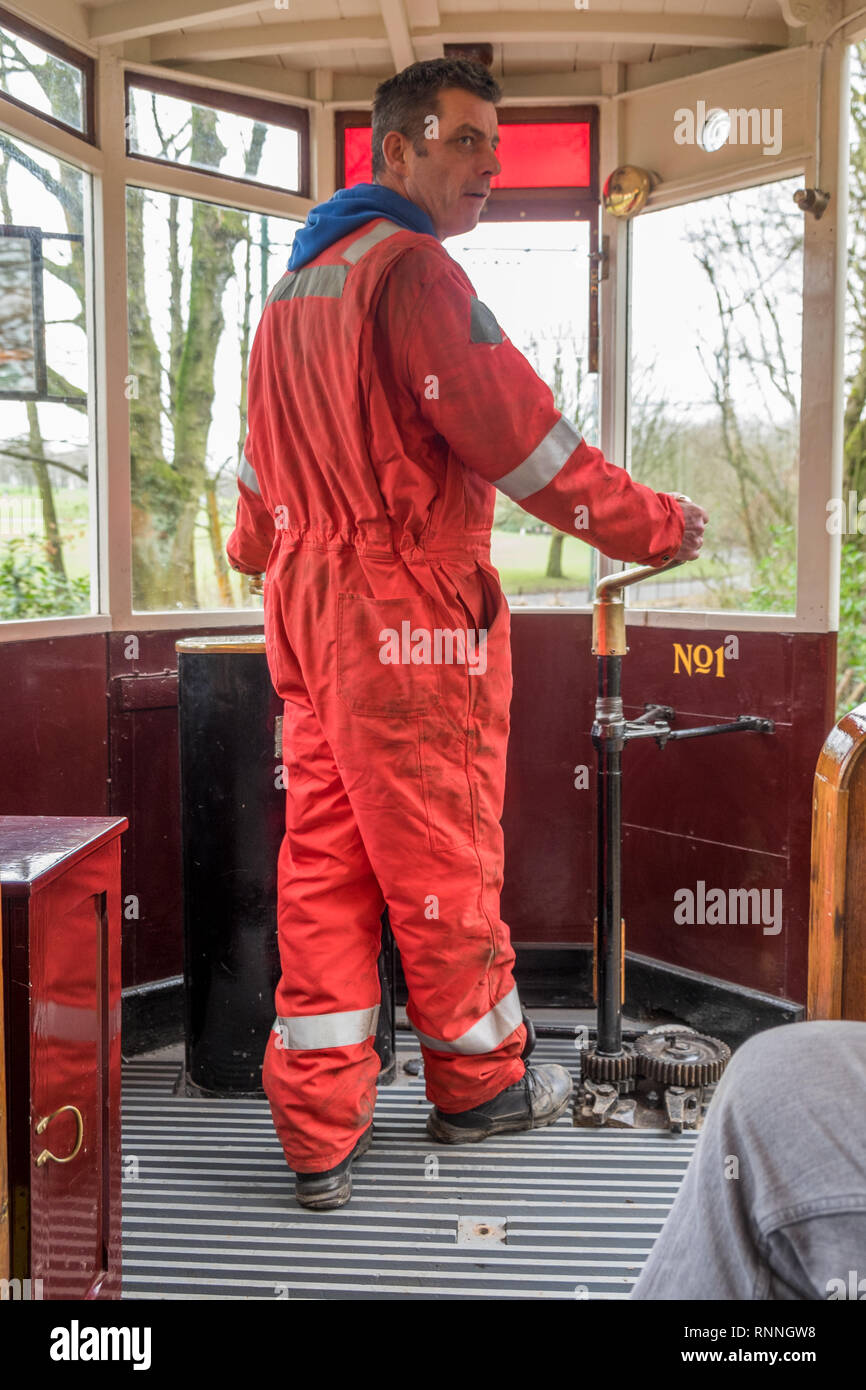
{"x":402,"y":102}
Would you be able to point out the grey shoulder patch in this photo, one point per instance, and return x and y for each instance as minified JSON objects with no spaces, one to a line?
{"x":484,"y":328}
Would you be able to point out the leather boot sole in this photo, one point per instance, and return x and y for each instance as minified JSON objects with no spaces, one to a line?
{"x":326,"y":1193}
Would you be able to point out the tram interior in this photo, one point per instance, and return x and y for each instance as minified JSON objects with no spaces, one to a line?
{"x":675,"y":244}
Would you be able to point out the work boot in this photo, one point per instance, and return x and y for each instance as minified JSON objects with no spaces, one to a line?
{"x":538,"y":1098}
{"x":333,"y":1187}
{"x":531,"y":1039}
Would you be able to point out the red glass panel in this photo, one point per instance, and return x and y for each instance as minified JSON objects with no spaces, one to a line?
{"x":358,"y":155}
{"x":545,"y":154}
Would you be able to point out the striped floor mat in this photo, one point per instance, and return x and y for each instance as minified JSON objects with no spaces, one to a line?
{"x":208,"y":1210}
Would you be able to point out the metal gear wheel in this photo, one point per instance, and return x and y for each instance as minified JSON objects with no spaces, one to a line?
{"x":679,"y":1058}
{"x":596,"y":1067}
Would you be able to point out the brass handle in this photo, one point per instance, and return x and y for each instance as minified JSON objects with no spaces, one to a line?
{"x":612,"y":583}
{"x":46,"y":1121}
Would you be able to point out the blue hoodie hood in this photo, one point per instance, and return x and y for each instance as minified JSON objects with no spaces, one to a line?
{"x":350,"y":208}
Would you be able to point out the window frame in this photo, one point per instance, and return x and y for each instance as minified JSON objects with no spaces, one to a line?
{"x":112,"y":171}
{"x":511,"y":204}
{"x":88,"y":161}
{"x":76,"y":59}
{"x":526,"y":204}
{"x":295,"y":118}
{"x":716,"y":619}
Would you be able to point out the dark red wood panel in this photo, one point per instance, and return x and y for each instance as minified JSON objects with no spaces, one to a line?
{"x":548,"y":893}
{"x":53,"y":733}
{"x":691,"y":807}
{"x":733,"y":811}
{"x":657,"y":865}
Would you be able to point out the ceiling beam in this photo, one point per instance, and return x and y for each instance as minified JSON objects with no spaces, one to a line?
{"x":261,"y":39}
{"x":292,"y":83}
{"x":555,"y":28}
{"x":587,"y":84}
{"x":65,"y":19}
{"x":136,"y":19}
{"x":397,"y":29}
{"x":423,"y":12}
{"x":595,"y":26}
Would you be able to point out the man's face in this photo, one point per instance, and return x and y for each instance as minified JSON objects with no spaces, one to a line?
{"x":456,"y":167}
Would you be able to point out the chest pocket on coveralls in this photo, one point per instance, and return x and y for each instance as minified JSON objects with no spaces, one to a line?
{"x":385,"y":656}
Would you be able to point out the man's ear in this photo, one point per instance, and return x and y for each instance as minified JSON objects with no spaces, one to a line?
{"x":398,"y":153}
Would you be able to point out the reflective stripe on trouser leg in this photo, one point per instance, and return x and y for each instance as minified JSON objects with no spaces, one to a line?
{"x":322,"y":1086}
{"x":316,"y":1031}
{"x":484,"y":1036}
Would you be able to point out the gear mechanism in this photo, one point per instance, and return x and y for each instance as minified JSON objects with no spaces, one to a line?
{"x":596,"y":1067}
{"x":678,"y":1058}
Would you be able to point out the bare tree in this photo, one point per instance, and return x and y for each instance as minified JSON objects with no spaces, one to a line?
{"x":167,"y":494}
{"x":746,"y":261}
{"x":57,"y":81}
{"x":576,"y":403}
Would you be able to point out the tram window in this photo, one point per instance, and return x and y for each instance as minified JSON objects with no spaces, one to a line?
{"x":45,"y":75}
{"x":237,"y":137}
{"x":187,"y":429}
{"x":714,"y":388}
{"x":47,"y":437}
{"x":533,"y":276}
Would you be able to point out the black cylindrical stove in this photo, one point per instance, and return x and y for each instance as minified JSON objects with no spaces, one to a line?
{"x":232,"y":823}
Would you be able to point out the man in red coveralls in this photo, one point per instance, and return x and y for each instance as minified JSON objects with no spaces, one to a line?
{"x":386,"y":406}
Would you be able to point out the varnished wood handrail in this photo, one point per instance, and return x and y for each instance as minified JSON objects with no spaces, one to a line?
{"x":837,"y":907}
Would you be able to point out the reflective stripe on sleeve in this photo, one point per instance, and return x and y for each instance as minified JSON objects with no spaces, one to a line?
{"x":486,"y":1034}
{"x":322,"y":281}
{"x":313,"y":1031}
{"x":329,"y":281}
{"x":543,"y":464}
{"x":247,"y":474}
{"x":356,"y":249}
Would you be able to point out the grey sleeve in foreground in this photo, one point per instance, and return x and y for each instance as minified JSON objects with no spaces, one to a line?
{"x":773,"y":1205}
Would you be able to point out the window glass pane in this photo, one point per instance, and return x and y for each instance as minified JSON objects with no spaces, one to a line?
{"x":48,"y":84}
{"x":199,"y":274}
{"x":546,"y":154}
{"x":184,"y":132}
{"x":542,"y":154}
{"x":716,"y":328}
{"x":357,"y":155}
{"x":534,"y":277}
{"x":46,"y":435}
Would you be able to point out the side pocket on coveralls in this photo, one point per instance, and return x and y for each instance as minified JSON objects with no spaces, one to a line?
{"x":489,"y":653}
{"x":459,"y":742}
{"x":385,"y":665}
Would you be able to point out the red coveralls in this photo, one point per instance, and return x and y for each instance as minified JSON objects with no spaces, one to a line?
{"x":385,"y":408}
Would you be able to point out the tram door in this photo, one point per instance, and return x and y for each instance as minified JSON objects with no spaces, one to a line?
{"x":713,"y":277}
